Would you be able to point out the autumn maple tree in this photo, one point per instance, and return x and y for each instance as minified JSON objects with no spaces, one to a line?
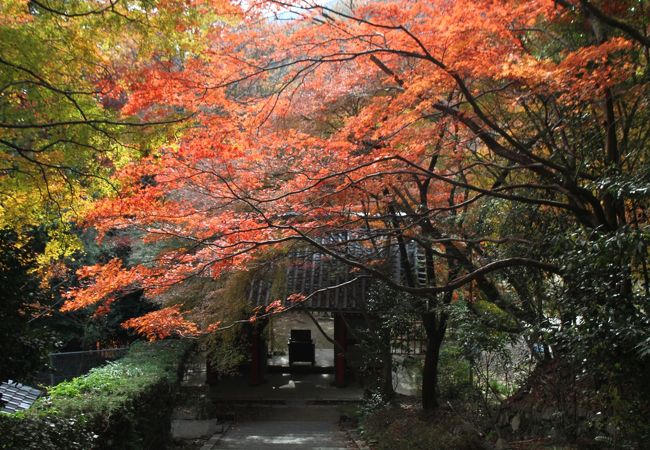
{"x":469,"y":134}
{"x":64,"y":68}
{"x":63,"y":72}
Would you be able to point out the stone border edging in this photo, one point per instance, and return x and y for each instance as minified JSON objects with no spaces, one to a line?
{"x":216,"y":437}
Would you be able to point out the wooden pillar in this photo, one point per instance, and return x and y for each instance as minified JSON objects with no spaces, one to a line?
{"x":257,"y":355}
{"x":340,"y":337}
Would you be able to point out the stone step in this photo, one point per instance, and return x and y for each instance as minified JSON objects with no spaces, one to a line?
{"x":194,"y":429}
{"x":284,"y":434}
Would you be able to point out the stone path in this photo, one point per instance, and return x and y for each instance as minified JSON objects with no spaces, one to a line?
{"x":293,"y":426}
{"x":288,"y":411}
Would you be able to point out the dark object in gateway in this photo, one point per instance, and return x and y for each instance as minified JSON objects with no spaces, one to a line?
{"x":301,"y":347}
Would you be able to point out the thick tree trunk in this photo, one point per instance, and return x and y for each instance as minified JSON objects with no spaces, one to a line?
{"x":258,"y":354}
{"x":435,"y":326}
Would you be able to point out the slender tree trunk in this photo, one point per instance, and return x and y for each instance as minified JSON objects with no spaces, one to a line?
{"x":387,"y":366}
{"x":435,"y":326}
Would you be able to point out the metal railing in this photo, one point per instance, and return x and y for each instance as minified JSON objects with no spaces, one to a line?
{"x":67,"y":365}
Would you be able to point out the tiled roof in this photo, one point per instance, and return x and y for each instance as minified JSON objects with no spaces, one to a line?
{"x":16,"y":396}
{"x":312,"y":273}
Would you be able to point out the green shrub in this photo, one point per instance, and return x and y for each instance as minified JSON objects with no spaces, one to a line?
{"x":125,"y":404}
{"x":21,"y":431}
{"x":454,"y":379}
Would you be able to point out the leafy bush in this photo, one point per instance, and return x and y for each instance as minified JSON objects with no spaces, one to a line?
{"x":124,"y":404}
{"x":20,"y":431}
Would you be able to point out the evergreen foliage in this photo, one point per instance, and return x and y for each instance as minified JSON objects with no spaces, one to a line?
{"x":125,"y":404}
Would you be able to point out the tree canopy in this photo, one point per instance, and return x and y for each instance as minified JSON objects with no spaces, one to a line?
{"x":65,"y":66}
{"x":504,"y":143}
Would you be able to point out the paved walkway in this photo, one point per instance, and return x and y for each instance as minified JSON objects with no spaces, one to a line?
{"x":287,"y":427}
{"x":288,"y":411}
